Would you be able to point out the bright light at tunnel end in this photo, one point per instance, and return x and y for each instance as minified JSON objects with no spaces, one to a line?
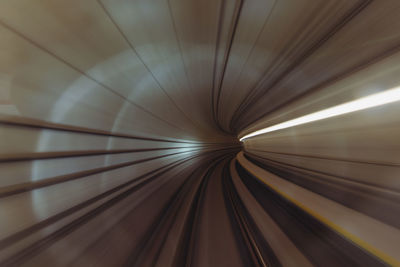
{"x":370,"y":101}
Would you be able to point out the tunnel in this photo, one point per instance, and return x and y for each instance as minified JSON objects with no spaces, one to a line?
{"x":221,"y":133}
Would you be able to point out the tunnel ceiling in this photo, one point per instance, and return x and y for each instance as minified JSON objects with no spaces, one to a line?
{"x":120,"y":123}
{"x":198,"y":69}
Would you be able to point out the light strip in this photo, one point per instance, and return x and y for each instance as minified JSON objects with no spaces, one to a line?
{"x":371,"y":101}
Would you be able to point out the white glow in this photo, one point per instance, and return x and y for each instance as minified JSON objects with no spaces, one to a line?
{"x":374,"y":100}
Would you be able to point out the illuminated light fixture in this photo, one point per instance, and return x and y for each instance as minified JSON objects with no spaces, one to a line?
{"x":370,"y":101}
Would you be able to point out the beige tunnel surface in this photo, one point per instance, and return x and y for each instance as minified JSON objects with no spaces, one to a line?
{"x":120,"y":123}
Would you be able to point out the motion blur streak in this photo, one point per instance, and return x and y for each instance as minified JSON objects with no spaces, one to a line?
{"x":120,"y":123}
{"x":374,"y":100}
